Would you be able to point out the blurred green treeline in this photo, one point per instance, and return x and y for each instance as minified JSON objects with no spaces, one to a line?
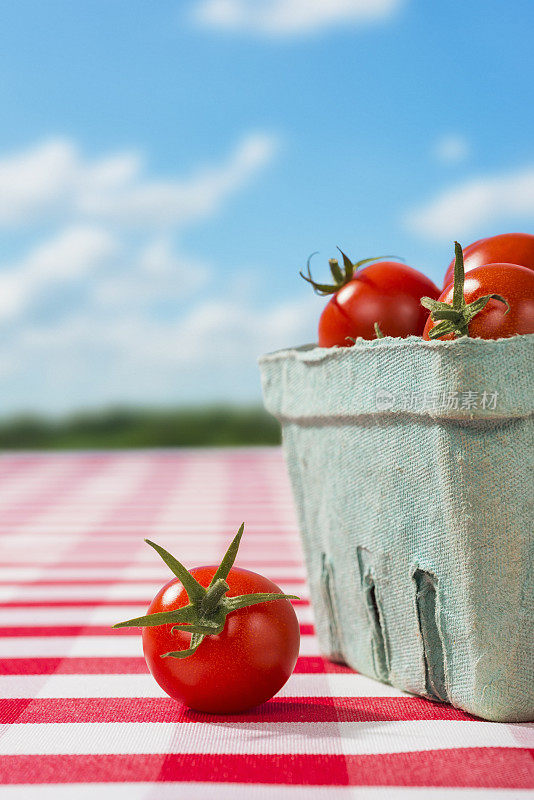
{"x":136,"y":428}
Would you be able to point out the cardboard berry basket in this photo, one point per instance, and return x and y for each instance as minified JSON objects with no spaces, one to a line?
{"x":412,"y":468}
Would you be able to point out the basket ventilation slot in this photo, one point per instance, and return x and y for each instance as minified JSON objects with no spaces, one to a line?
{"x":379,"y":648}
{"x":329,"y":600}
{"x":433,"y":652}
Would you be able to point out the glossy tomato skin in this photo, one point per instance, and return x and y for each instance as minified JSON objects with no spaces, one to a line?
{"x":507,"y":248}
{"x":512,"y":282}
{"x":385,"y":292}
{"x":244,"y":666}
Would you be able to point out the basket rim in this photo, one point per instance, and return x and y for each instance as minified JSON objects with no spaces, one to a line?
{"x":313,"y":353}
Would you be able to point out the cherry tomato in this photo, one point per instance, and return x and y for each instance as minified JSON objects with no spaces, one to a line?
{"x":219,"y":639}
{"x":243,"y":666}
{"x":514,"y":283}
{"x":385,"y":293}
{"x":507,"y":248}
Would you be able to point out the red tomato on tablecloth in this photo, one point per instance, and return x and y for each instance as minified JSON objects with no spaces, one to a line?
{"x":241,"y":667}
{"x":219,"y":639}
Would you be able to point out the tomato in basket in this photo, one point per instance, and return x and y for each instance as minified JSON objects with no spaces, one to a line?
{"x":494,"y":301}
{"x":219,"y":639}
{"x":506,"y":248}
{"x":382,"y":299}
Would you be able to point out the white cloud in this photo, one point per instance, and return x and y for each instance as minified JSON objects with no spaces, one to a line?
{"x":108,"y":308}
{"x":290,"y":17}
{"x":209,"y":353}
{"x":451,"y":148}
{"x":112,"y":274}
{"x":54,"y":179}
{"x":221,"y":332}
{"x":180,"y":202}
{"x":476,"y":203}
{"x":66,"y":257}
{"x":213,"y":333}
{"x":155,"y":272}
{"x":160,"y":261}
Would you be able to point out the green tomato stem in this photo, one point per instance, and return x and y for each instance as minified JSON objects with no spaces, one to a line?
{"x":213,"y":595}
{"x":341,"y":276}
{"x":454,"y":318}
{"x":206,"y":613}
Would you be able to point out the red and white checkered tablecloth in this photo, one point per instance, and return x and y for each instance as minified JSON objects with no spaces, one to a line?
{"x":80,"y":717}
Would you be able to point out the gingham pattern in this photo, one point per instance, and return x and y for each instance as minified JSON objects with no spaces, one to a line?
{"x":79,"y":714}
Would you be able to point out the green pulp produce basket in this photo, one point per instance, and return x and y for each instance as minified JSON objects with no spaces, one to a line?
{"x":411,"y":464}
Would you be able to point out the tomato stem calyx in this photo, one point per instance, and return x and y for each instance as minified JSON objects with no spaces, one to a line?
{"x":455,"y":317}
{"x":341,"y":276}
{"x":213,"y":595}
{"x":206,"y":613}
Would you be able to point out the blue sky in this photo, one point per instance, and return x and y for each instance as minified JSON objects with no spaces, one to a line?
{"x":166,"y":168}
